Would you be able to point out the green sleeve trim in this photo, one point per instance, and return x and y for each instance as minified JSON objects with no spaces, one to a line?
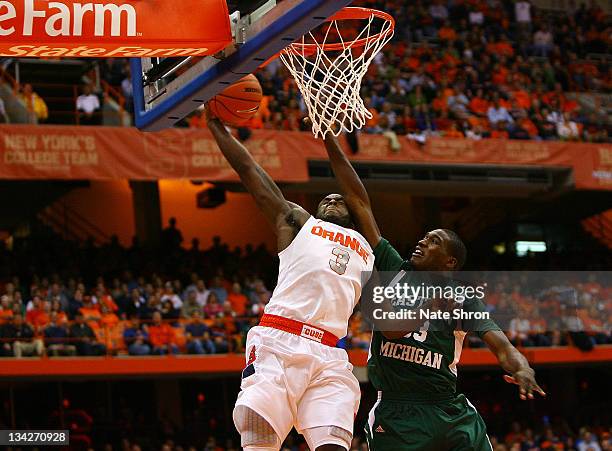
{"x":386,"y":257}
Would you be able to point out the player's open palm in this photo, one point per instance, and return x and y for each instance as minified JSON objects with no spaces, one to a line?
{"x":525,"y":379}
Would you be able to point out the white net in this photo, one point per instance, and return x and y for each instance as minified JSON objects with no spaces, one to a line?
{"x":329,"y":75}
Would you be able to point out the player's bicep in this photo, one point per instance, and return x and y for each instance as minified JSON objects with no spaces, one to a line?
{"x":479,"y":319}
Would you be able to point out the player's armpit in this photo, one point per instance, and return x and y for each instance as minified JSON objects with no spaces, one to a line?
{"x":289,"y":224}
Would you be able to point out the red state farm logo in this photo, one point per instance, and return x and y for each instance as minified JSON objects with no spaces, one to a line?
{"x":312,"y":333}
{"x":58,"y":19}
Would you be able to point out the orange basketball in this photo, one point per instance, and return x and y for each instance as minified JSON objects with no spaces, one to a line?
{"x":239,"y":102}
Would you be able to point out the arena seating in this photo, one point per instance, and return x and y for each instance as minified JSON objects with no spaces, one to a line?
{"x":206,"y":300}
{"x":475,"y":69}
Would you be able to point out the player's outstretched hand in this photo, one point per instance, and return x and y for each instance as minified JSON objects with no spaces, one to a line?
{"x":525,"y":379}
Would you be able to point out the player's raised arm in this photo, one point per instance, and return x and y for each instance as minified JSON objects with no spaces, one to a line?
{"x":286,"y":218}
{"x":353,"y":191}
{"x":515,"y":363}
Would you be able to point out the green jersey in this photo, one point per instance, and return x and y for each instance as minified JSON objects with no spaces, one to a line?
{"x":423,"y":363}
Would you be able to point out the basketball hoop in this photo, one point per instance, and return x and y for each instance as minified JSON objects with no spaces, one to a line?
{"x":329,"y":74}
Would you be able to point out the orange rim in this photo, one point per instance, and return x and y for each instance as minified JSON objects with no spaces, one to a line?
{"x":348,"y":13}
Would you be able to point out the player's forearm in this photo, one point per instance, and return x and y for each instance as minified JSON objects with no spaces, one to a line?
{"x":235,"y":153}
{"x":266,"y":193}
{"x":350,"y":183}
{"x":511,"y":360}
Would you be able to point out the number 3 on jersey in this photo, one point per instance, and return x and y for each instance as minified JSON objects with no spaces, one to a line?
{"x":339,"y":260}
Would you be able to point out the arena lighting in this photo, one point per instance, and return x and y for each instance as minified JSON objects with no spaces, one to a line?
{"x":523,"y":247}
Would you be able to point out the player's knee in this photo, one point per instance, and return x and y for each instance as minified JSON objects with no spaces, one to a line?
{"x":256,"y":434}
{"x":328,"y":438}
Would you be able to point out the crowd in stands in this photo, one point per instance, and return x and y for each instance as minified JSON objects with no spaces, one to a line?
{"x":90,"y":301}
{"x":476,"y":69}
{"x":37,"y":109}
{"x":519,"y":438}
{"x":525,"y":438}
{"x":455,"y":68}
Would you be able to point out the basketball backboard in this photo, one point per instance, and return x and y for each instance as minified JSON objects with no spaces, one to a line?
{"x":168,"y":89}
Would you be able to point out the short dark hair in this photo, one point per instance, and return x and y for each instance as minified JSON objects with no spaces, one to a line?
{"x":456,"y":248}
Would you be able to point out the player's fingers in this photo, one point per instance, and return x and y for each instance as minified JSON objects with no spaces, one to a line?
{"x":538,"y":389}
{"x":510,"y":379}
{"x":523,"y":393}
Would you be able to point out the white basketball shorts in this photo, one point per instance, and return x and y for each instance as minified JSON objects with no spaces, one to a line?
{"x":292,"y":381}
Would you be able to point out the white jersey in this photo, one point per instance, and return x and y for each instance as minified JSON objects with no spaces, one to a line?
{"x":321,"y":275}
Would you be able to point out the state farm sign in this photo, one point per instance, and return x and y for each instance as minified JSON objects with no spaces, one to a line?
{"x":134,"y":28}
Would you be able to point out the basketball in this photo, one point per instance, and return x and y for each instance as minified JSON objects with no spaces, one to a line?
{"x":239,"y":102}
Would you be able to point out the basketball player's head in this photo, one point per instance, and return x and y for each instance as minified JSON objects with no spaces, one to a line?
{"x":439,"y":250}
{"x":333,"y":209}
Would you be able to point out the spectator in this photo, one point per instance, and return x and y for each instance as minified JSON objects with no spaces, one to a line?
{"x":190,"y":306}
{"x":90,"y":312}
{"x":588,"y":442}
{"x":102,"y":298}
{"x":198,"y":336}
{"x":519,"y":330}
{"x":438,"y":11}
{"x":76,"y":302}
{"x":202,"y":293}
{"x":36,"y":106}
{"x":33,"y":309}
{"x":84,"y":337}
{"x":497,"y":113}
{"x":219,"y":335}
{"x":136,"y":305}
{"x":171,"y":238}
{"x":108,"y":319}
{"x":57,"y":292}
{"x":4,"y":119}
{"x":6,"y":309}
{"x":88,"y":107}
{"x":522,"y":14}
{"x":7,"y":335}
{"x":237,"y":300}
{"x":212,"y":307}
{"x":56,"y":338}
{"x":22,"y":338}
{"x":127,"y":89}
{"x":135,"y":337}
{"x":542,"y":42}
{"x":567,"y":129}
{"x":153,"y":305}
{"x":476,"y":17}
{"x":218,"y":288}
{"x":162,"y":336}
{"x":458,"y":104}
{"x":171,"y":296}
